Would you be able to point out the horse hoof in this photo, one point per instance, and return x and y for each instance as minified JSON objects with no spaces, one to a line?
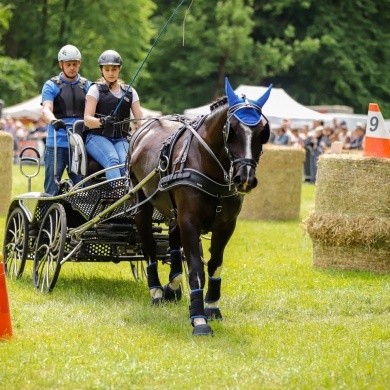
{"x":172,"y":295}
{"x":156,"y":301}
{"x":213,"y":313}
{"x":202,"y":330}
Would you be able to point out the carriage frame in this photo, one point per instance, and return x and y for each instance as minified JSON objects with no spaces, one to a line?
{"x":91,"y":221}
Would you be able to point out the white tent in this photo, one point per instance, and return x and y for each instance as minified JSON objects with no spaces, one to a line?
{"x":279,"y":105}
{"x":31,"y":109}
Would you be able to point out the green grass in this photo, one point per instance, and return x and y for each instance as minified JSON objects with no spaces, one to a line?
{"x":286,"y":325}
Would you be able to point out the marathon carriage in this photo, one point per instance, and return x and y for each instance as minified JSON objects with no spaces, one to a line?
{"x":92,"y":221}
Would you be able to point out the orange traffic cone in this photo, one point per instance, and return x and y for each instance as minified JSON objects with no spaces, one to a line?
{"x":5,"y":317}
{"x":377,"y":139}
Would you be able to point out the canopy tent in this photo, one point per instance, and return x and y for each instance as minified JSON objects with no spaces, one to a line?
{"x":280,"y":105}
{"x":32,"y":110}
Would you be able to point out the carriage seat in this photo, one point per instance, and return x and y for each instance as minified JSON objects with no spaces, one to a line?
{"x":80,"y":163}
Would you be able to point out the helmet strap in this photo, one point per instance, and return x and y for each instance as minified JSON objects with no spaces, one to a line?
{"x":63,"y":71}
{"x":110,"y":83}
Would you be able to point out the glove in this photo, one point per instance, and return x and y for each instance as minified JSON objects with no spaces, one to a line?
{"x":58,"y":124}
{"x":107,"y":120}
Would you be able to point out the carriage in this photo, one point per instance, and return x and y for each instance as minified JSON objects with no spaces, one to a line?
{"x":92,"y":221}
{"x":190,"y":175}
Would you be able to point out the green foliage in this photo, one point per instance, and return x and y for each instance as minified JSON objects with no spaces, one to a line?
{"x":17,"y":81}
{"x":91,"y":26}
{"x":320,"y":52}
{"x":5,"y":16}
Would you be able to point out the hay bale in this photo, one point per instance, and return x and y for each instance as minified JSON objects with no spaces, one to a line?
{"x":7,"y":153}
{"x":350,"y":224}
{"x":278,"y":193}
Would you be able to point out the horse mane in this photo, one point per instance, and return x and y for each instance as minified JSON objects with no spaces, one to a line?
{"x":217,"y":106}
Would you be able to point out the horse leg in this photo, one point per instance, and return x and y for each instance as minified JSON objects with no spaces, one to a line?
{"x":190,"y":234}
{"x":143,"y":220}
{"x":219,"y":241}
{"x":173,"y":290}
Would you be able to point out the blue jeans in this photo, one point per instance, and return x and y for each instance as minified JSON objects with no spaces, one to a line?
{"x":62,"y":162}
{"x":108,"y":152}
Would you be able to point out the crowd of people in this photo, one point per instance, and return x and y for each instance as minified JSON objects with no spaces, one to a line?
{"x":318,"y":140}
{"x":23,"y":132}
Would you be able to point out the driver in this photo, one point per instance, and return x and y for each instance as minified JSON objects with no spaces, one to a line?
{"x":63,"y":102}
{"x":108,"y":102}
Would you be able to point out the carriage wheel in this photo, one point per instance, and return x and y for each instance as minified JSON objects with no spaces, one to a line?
{"x":16,"y":243}
{"x":138,"y":269}
{"x":50,"y":246}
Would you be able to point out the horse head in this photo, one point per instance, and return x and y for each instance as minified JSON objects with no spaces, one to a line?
{"x":244,"y":134}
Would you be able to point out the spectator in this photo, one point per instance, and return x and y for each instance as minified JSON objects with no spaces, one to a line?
{"x":296,"y":139}
{"x":39,"y":133}
{"x":343,"y":134}
{"x":106,"y":139}
{"x":21,"y":131}
{"x":10,"y":127}
{"x":330,"y":133}
{"x":317,"y":144}
{"x":281,"y":137}
{"x":40,"y":130}
{"x":63,"y":101}
{"x":357,"y":138}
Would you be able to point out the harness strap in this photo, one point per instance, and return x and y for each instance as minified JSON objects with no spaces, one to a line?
{"x":203,"y":143}
{"x":192,"y":178}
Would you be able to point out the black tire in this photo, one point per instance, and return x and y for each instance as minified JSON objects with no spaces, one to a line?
{"x":16,"y":243}
{"x":49,"y":249}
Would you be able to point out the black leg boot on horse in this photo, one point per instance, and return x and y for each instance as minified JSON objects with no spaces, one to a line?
{"x":173,"y":290}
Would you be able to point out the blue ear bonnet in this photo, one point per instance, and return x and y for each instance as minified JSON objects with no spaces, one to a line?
{"x":248,"y":115}
{"x":245,"y":110}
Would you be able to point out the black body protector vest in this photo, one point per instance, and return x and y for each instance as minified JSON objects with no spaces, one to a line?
{"x":70,"y":102}
{"x":106,"y":106}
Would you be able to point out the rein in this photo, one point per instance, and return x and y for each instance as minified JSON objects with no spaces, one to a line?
{"x":227,"y":177}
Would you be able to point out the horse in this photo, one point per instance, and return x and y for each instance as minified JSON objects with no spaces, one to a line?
{"x":204,"y":168}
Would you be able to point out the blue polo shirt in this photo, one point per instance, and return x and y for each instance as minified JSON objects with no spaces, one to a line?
{"x":50,"y":91}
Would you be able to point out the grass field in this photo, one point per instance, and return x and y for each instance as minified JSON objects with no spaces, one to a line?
{"x":286,"y":325}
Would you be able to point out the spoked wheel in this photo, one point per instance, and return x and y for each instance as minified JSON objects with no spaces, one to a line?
{"x":50,"y":248}
{"x":16,"y":243}
{"x":138,"y":269}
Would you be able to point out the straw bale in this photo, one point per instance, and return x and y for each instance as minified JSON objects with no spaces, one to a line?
{"x":352,"y":258}
{"x":348,"y":230}
{"x":350,"y":223}
{"x":352,"y":184}
{"x":278,"y":193}
{"x":7,"y":152}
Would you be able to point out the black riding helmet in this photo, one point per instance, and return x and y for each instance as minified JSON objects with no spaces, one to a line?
{"x":110,"y":57}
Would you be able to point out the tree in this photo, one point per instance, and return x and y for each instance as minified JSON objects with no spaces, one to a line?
{"x":17,"y":76}
{"x":340,"y":50}
{"x":91,"y":26}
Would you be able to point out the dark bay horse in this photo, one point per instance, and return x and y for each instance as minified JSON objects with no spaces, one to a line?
{"x":205,"y":168}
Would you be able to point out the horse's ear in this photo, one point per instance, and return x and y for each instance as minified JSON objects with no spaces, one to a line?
{"x":231,"y":95}
{"x":263,"y":99}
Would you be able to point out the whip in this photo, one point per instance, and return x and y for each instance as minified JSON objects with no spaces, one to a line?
{"x":146,"y":57}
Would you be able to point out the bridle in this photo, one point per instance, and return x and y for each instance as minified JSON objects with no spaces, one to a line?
{"x":252,"y":162}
